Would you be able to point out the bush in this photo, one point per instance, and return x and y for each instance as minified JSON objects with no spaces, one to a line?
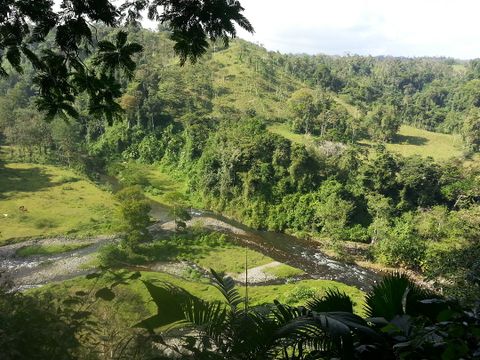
{"x":114,"y":255}
{"x":400,"y":249}
{"x":358,"y":233}
{"x":111,"y":255}
{"x":45,"y":223}
{"x":67,"y":179}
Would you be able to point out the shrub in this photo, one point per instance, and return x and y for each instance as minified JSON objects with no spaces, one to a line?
{"x":65,"y":179}
{"x":32,"y":327}
{"x":401,"y":247}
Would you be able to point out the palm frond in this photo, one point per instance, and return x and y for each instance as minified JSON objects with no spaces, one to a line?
{"x":121,"y":39}
{"x":328,"y":332}
{"x":333,"y":300}
{"x":395,"y":295}
{"x":207,"y":316}
{"x":226,"y":286}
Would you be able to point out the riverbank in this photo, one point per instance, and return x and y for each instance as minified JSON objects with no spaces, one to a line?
{"x":281,"y":248}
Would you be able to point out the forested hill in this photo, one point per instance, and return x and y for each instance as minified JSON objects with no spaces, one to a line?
{"x":378,"y":94}
{"x":338,"y":98}
{"x":209,"y":123}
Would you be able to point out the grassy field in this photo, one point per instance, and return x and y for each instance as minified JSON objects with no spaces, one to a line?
{"x":48,"y":249}
{"x":55,"y":201}
{"x":231,"y":259}
{"x":158,"y":185}
{"x":412,"y":141}
{"x":285,"y":131}
{"x":409,"y":141}
{"x":240,"y":82}
{"x":207,"y":250}
{"x":135,"y":303}
{"x":284,"y":271}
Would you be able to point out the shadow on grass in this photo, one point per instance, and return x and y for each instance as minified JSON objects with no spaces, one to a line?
{"x":184,"y":246}
{"x":179,"y":247}
{"x":23,"y":180}
{"x":409,"y":140}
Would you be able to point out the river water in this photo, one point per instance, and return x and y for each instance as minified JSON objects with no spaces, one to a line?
{"x":299,"y":253}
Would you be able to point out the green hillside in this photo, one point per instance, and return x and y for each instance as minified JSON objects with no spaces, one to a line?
{"x":245,"y":78}
{"x":412,"y":141}
{"x":409,"y":141}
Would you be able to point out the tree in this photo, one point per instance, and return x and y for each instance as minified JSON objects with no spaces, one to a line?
{"x":380,"y":209}
{"x":179,"y":210}
{"x":333,"y":211}
{"x":379,"y":173}
{"x":134,"y":210}
{"x":382,"y":123}
{"x":404,"y":322}
{"x":471,"y":130}
{"x":305,"y":109}
{"x":61,"y":73}
{"x":419,"y":180}
{"x":232,"y":329}
{"x":33,"y":327}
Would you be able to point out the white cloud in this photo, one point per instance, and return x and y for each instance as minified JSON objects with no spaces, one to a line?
{"x":375,"y":27}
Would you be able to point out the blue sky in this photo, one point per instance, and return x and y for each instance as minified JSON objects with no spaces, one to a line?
{"x":367,"y":27}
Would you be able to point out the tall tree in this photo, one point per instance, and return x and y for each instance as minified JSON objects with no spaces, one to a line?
{"x":471,"y":130}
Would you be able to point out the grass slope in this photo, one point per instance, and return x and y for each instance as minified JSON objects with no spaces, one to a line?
{"x":231,"y":259}
{"x":409,"y":141}
{"x":412,"y":141}
{"x":57,"y":201}
{"x":240,"y":81}
{"x":284,"y":271}
{"x":285,"y":131}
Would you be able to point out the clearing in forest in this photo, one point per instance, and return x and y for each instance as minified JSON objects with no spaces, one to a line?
{"x":409,"y":141}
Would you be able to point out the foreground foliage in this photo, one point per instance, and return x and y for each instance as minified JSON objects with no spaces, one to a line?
{"x":404,"y":321}
{"x":60,"y":71}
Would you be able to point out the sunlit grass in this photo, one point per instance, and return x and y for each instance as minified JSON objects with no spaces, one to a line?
{"x":243,"y":85}
{"x":283,"y":271}
{"x":41,"y":200}
{"x":140,"y":305}
{"x":232,"y":259}
{"x":410,"y":141}
{"x":33,"y":250}
{"x":285,"y":131}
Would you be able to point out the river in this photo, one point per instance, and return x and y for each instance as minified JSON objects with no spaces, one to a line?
{"x":305,"y":255}
{"x":299,"y":253}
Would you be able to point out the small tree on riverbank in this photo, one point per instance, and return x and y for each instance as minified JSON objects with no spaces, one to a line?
{"x":134,"y":211}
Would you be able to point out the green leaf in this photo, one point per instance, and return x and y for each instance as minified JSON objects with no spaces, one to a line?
{"x":69,"y":302}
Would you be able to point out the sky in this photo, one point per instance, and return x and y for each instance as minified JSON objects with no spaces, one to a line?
{"x":367,"y":27}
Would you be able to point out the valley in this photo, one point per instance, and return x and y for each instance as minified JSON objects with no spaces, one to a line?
{"x":289,"y":202}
